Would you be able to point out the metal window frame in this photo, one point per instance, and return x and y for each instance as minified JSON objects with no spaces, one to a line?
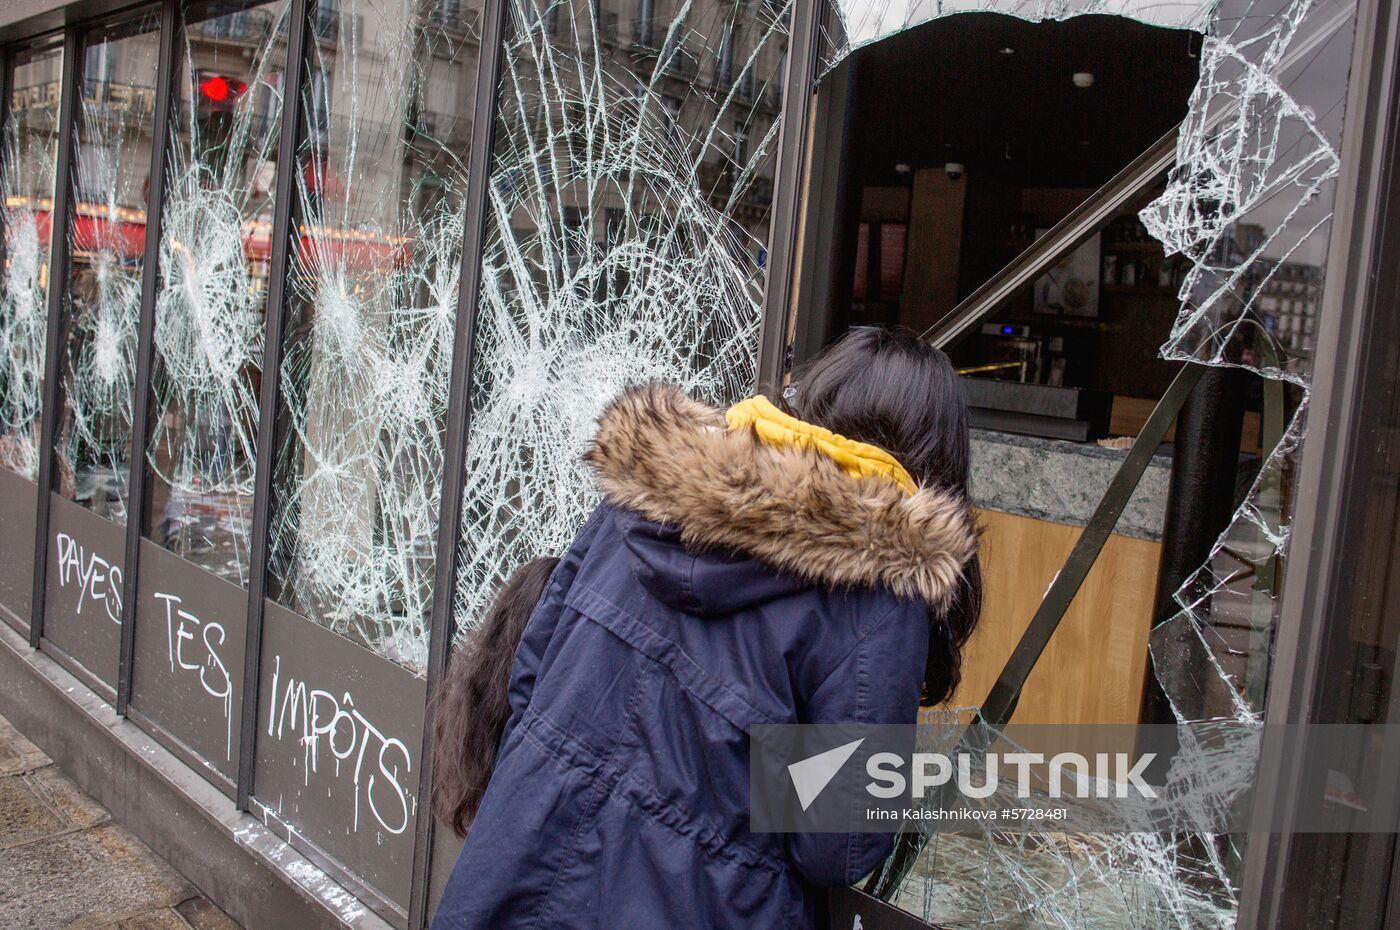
{"x":1362,"y":261}
{"x":789,"y":191}
{"x":60,"y":255}
{"x":495,"y":32}
{"x":299,"y":32}
{"x":7,"y":64}
{"x":171,"y":33}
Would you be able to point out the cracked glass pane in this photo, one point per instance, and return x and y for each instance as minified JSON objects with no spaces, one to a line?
{"x":111,"y":171}
{"x":850,"y":24}
{"x":1244,"y":218}
{"x":215,"y":237}
{"x":628,"y":219}
{"x":381,"y":173}
{"x":27,"y":160}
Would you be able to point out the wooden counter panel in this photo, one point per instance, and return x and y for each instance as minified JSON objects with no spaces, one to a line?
{"x":1093,"y":669}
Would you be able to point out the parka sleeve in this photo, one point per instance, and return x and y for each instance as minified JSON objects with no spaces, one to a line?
{"x":529,"y":655}
{"x":878,"y":682}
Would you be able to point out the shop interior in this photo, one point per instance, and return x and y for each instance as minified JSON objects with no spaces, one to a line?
{"x":941,"y":154}
{"x":956,"y":144}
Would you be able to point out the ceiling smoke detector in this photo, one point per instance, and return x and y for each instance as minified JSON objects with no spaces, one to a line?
{"x":1083,"y":79}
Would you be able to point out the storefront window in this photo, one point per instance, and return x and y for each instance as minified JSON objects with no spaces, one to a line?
{"x":1212,"y":253}
{"x":628,"y":206}
{"x":379,"y":187}
{"x":114,"y":123}
{"x":28,"y":152}
{"x":106,"y":242}
{"x":191,"y":607}
{"x":628,"y":222}
{"x":380,"y":181}
{"x":29,"y":155}
{"x":215,"y":248}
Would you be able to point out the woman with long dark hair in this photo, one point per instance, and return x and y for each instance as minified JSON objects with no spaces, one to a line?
{"x":814,"y":564}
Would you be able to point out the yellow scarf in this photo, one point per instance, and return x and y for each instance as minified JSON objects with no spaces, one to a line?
{"x":778,"y":429}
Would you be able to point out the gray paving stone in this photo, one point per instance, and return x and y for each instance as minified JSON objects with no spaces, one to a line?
{"x":18,"y":754}
{"x":65,"y":866}
{"x":201,"y":914}
{"x":95,"y":876}
{"x":65,"y":797}
{"x":24,"y":815}
{"x":164,"y":919}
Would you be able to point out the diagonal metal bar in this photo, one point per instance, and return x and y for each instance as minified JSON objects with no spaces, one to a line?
{"x":1000,"y":704}
{"x":495,"y":30}
{"x":1096,"y":211}
{"x":59,"y":256}
{"x":170,"y":34}
{"x":1067,"y":235}
{"x":1001,"y":701}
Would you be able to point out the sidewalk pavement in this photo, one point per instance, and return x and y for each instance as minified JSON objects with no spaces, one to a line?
{"x":65,"y":865}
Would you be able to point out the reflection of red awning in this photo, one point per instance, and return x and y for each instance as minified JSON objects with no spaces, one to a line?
{"x":43,"y":222}
{"x":354,"y":252}
{"x":92,"y":234}
{"x":319,"y":177}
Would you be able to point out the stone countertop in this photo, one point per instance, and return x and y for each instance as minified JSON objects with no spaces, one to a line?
{"x":1062,"y":482}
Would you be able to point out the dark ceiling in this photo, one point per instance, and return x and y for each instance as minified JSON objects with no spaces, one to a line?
{"x":945,"y":91}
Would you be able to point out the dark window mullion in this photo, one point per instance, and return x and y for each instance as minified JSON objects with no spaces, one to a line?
{"x":7,"y":65}
{"x":495,"y":24}
{"x":171,"y":33}
{"x":799,"y":83}
{"x":60,"y":219}
{"x":284,"y":224}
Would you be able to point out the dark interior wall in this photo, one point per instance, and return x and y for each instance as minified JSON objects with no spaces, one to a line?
{"x":996,"y":94}
{"x":992,"y":202}
{"x":945,"y":91}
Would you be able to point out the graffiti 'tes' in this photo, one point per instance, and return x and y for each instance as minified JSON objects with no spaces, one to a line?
{"x":96,"y":578}
{"x":180,"y":628}
{"x":318,"y":716}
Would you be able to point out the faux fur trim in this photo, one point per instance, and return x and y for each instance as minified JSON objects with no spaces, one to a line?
{"x":673,"y":460}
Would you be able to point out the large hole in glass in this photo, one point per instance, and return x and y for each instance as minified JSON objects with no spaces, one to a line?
{"x":1237,"y":205}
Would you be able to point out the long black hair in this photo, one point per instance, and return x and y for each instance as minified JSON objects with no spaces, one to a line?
{"x":473,"y":705}
{"x":891,"y":389}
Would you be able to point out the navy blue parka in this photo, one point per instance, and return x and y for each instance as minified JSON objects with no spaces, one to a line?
{"x":723,"y":583}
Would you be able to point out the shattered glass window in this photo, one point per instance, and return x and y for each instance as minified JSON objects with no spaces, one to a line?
{"x":27,"y":164}
{"x":381,"y":171}
{"x":111,"y":171}
{"x":214,"y":254}
{"x":1249,"y":204}
{"x":1243,"y":215}
{"x":628,"y":218}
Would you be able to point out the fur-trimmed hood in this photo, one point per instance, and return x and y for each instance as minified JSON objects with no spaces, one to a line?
{"x":674,"y":461}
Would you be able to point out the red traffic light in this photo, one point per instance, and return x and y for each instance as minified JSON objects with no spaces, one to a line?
{"x":218,"y":88}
